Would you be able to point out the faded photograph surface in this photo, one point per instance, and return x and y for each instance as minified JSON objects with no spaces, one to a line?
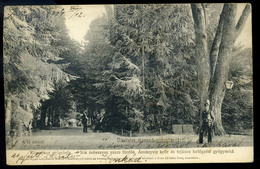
{"x":139,"y":78}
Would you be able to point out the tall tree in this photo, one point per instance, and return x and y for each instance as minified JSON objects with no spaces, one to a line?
{"x":213,"y":66}
{"x":153,"y":35}
{"x":32,"y":39}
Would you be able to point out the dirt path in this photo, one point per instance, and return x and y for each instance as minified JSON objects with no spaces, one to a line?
{"x":74,"y":138}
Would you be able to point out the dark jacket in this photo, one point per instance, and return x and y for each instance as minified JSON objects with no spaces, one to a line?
{"x":207,"y":118}
{"x":84,"y":119}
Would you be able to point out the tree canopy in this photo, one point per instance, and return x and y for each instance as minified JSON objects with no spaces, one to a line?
{"x":147,"y":66}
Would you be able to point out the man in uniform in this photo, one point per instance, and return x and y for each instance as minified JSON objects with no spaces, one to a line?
{"x":207,"y":124}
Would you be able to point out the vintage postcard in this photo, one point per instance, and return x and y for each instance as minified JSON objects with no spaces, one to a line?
{"x":128,"y":84}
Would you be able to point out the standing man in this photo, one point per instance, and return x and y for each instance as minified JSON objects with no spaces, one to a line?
{"x":85,"y":121}
{"x":207,"y":124}
{"x":100,"y":118}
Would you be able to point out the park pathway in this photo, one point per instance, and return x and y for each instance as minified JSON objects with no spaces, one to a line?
{"x":73,"y":138}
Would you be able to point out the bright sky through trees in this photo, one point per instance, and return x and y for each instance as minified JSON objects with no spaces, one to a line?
{"x":78,"y":19}
{"x":78,"y":23}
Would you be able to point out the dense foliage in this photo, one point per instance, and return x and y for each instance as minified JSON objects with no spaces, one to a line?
{"x":34,"y":41}
{"x":141,"y":72}
{"x":137,"y":66}
{"x":237,"y":105}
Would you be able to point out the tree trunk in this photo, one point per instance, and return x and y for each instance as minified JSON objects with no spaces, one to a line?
{"x":53,"y":118}
{"x":49,"y":118}
{"x":215,"y":74}
{"x":216,"y":105}
{"x":242,"y":20}
{"x":143,"y":65}
{"x":202,"y":58}
{"x":43,"y":118}
{"x":215,"y":46}
{"x":222,"y":67}
{"x":8,"y":116}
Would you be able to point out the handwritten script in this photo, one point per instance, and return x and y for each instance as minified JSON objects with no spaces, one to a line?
{"x":70,"y":155}
{"x":76,"y":11}
{"x":43,"y":155}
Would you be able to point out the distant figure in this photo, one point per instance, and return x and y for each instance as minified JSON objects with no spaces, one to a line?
{"x":207,"y":124}
{"x":50,"y":125}
{"x":30,"y":128}
{"x":85,"y":121}
{"x":100,"y":118}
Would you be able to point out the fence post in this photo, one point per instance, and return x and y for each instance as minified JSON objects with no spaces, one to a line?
{"x":122,"y":132}
{"x":130,"y":133}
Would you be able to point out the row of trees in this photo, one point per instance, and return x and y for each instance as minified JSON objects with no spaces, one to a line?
{"x":148,"y":66}
{"x":138,"y":64}
{"x":35,"y":46}
{"x":155,"y":65}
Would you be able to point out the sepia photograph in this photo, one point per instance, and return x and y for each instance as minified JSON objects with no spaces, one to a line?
{"x":128,"y":83}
